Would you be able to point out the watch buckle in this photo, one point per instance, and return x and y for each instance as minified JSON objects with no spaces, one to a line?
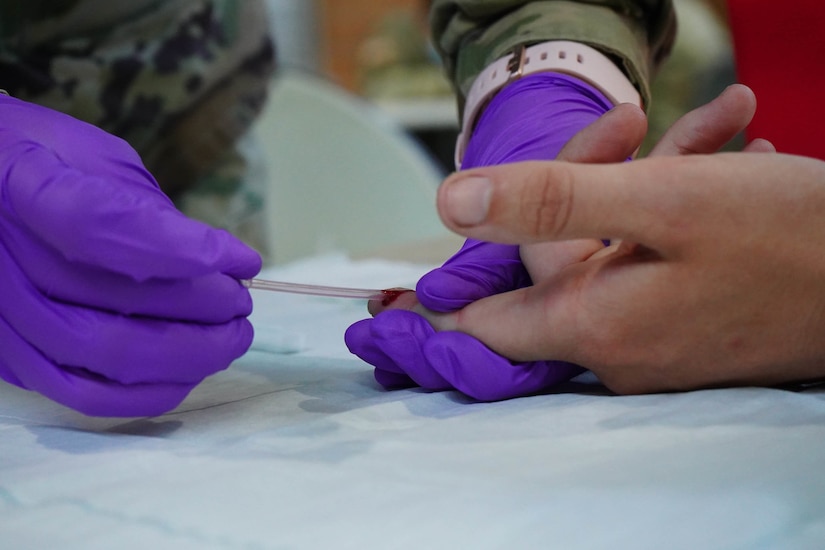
{"x":515,"y":66}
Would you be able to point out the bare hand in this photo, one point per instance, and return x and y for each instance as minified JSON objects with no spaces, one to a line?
{"x":719,"y":278}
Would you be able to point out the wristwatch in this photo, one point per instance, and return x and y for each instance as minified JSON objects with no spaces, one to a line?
{"x":571,"y":58}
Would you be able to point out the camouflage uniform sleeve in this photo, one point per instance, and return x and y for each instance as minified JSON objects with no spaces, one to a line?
{"x":471,"y":34}
{"x":180,"y":80}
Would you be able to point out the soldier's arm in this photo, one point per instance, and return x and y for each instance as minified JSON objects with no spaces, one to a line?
{"x":471,"y":34}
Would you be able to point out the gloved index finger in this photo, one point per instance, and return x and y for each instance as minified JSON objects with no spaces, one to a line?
{"x":120,"y":225}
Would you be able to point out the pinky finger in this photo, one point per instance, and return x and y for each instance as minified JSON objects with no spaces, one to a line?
{"x":760,"y":145}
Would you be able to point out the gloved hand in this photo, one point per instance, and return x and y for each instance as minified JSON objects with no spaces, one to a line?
{"x":531,"y":119}
{"x":114,"y":303}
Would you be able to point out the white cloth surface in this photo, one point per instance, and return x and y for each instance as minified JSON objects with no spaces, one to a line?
{"x":296,"y":446}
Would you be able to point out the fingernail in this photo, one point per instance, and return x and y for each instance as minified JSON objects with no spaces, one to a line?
{"x":468,"y":200}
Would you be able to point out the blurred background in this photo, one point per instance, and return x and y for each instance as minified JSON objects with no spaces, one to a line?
{"x":380,"y":52}
{"x":361,"y":124}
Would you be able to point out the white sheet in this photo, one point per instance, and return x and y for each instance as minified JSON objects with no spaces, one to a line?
{"x":296,"y":447}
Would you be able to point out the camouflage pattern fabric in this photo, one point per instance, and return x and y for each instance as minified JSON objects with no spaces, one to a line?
{"x":180,"y":80}
{"x":471,"y":34}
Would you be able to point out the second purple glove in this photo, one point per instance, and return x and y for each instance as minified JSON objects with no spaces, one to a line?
{"x":531,"y":119}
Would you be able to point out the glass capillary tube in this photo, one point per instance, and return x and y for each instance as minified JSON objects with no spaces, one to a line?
{"x":315,"y":290}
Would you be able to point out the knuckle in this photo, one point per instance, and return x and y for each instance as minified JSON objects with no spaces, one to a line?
{"x":695,"y":140}
{"x":546,"y":203}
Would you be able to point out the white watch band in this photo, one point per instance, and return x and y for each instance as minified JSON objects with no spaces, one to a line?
{"x":572,"y":58}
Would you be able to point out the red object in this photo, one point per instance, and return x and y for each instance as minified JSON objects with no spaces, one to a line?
{"x":780,"y":54}
{"x":391,"y":295}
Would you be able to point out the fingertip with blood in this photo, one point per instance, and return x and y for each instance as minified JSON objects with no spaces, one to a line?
{"x":393,"y":298}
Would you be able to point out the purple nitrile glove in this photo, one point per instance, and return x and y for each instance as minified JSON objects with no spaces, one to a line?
{"x":114,"y":303}
{"x":531,"y":119}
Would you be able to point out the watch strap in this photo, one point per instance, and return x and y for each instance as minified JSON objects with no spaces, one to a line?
{"x":571,"y":58}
